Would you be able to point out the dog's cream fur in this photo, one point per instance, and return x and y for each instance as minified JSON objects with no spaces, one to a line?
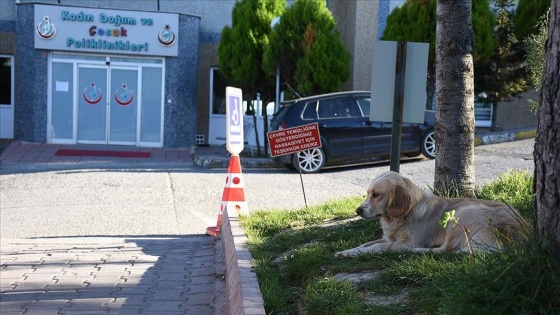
{"x":410,"y":220}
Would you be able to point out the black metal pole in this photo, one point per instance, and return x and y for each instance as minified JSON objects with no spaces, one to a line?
{"x":400,"y":70}
{"x":302,"y":187}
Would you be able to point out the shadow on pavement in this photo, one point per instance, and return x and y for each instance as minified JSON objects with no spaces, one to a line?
{"x":114,"y":276}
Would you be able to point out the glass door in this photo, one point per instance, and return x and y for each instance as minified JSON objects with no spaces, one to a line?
{"x":107,"y":115}
{"x":92,"y":104}
{"x":123,"y":105}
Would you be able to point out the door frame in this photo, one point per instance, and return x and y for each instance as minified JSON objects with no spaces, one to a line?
{"x":7,"y":110}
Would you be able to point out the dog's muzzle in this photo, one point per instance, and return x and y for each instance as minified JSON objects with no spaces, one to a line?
{"x":360,"y":211}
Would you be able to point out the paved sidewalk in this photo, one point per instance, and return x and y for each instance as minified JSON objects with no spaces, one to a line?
{"x":19,"y":152}
{"x":113,"y":276}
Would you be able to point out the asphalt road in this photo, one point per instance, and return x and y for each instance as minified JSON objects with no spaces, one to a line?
{"x":170,"y":201}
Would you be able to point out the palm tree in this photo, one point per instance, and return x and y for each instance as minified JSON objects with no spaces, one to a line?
{"x":454,"y":128}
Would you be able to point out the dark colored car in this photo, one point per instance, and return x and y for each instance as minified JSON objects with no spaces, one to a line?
{"x":348,"y":136}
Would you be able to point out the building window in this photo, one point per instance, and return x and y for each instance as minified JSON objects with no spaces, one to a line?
{"x":6,"y":80}
{"x":217,"y":92}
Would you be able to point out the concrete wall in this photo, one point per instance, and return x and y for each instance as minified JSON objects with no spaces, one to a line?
{"x":208,"y":57}
{"x":366,"y":28}
{"x":31,"y":89}
{"x":357,"y":25}
{"x":516,"y":114}
{"x":181,"y":87}
{"x":7,"y":27}
{"x":215,"y":13}
{"x":344,"y":13}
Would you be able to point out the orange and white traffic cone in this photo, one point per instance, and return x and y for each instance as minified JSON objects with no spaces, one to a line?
{"x":233,"y":196}
{"x":234,"y":190}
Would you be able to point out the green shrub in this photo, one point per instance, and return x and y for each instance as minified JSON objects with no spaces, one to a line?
{"x":514,"y":188}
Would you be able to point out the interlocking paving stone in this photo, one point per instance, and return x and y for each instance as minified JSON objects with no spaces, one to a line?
{"x":198,"y":299}
{"x":112,"y":276}
{"x":168,"y":295}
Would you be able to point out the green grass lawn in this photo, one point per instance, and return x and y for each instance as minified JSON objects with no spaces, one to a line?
{"x":298,"y":273}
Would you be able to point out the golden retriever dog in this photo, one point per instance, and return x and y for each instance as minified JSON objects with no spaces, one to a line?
{"x":410,"y":220}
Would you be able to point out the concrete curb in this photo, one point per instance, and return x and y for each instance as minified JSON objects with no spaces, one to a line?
{"x":242,"y":287}
{"x":505,"y":136}
{"x":209,"y":161}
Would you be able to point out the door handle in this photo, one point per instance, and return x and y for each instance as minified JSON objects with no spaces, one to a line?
{"x":322,"y":126}
{"x":376,"y":124}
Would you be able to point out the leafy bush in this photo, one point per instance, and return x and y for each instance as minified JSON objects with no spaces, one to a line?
{"x":514,"y":188}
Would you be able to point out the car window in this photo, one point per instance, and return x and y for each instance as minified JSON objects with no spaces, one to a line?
{"x":364,"y":103}
{"x":350,"y":109}
{"x":337,"y":108}
{"x":310,"y":110}
{"x":326,"y":108}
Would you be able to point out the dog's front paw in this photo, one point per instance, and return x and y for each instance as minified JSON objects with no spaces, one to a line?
{"x":347,"y":253}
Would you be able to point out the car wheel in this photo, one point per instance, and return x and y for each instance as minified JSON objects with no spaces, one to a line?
{"x":428,"y":145}
{"x":309,"y":161}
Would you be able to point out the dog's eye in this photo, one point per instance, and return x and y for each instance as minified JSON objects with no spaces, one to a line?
{"x":374,"y":195}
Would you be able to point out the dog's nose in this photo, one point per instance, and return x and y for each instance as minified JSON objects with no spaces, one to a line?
{"x":359,"y":211}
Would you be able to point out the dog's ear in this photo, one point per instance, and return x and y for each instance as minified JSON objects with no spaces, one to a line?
{"x":399,"y":202}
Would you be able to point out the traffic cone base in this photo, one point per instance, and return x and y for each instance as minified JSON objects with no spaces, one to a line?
{"x":233,"y":196}
{"x":213,"y":231}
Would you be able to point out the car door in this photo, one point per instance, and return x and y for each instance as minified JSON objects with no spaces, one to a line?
{"x":377,"y":134}
{"x":376,"y":139}
{"x":410,"y":137}
{"x":339,"y":125}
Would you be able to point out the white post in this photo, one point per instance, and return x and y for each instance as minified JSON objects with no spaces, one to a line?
{"x":277,"y":100}
{"x":273,"y":23}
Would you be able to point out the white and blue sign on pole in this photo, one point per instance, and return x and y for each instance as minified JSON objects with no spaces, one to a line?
{"x":234,"y":118}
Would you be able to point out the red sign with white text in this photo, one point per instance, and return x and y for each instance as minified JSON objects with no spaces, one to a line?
{"x":291,"y":140}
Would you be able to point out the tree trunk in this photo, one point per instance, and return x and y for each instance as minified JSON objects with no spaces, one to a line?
{"x":431,"y":88}
{"x":547,"y":143}
{"x":454,"y":127}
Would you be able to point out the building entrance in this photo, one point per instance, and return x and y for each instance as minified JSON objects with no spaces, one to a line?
{"x":111,"y":101}
{"x":108,"y":104}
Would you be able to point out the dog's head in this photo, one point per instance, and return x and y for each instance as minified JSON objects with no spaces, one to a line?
{"x":390,"y":195}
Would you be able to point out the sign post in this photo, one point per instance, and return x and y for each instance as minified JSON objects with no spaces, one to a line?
{"x":234,"y":120}
{"x":292,"y":140}
{"x":400,"y":73}
{"x":398,"y":88}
